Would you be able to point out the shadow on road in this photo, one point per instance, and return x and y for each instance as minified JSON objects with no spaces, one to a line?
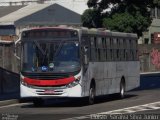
{"x":77,"y":102}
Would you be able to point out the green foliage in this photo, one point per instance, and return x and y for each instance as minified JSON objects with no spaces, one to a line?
{"x":119,"y":22}
{"x":156,"y":2}
{"x":91,"y":18}
{"x":127,"y":22}
{"x":125,"y":15}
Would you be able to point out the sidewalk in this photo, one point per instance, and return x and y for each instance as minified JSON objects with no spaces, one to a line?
{"x":10,"y":98}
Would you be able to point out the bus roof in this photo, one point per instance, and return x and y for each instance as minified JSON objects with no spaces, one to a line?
{"x":48,"y":28}
{"x":92,"y":31}
{"x":107,"y":32}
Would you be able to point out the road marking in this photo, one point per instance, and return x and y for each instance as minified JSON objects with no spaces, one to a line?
{"x":150,"y":106}
{"x":78,"y":118}
{"x":12,"y":105}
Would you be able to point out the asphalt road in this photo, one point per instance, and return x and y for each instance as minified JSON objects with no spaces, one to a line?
{"x":144,"y":96}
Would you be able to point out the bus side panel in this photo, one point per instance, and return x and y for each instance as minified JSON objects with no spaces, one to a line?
{"x":133,"y":80}
{"x":108,"y":76}
{"x":120,"y":72}
{"x":96,"y":72}
{"x":85,"y":83}
{"x":104,"y":74}
{"x":129,"y":70}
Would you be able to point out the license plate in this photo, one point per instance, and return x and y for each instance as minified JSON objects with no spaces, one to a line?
{"x":49,"y":91}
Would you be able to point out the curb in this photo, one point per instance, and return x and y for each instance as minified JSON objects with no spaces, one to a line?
{"x":9,"y":102}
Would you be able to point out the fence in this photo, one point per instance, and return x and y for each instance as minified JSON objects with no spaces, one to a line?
{"x":149,"y":57}
{"x":9,"y":82}
{"x":7,"y":59}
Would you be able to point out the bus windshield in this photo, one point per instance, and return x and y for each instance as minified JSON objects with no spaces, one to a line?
{"x":38,"y":56}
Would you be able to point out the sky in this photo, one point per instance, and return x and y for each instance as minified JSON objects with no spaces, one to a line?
{"x":35,"y":0}
{"x":12,"y":0}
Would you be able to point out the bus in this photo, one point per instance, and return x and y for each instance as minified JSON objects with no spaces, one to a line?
{"x":67,"y":62}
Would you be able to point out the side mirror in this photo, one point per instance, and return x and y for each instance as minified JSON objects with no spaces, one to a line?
{"x":85,"y":49}
{"x":17,"y":49}
{"x":85,"y":59}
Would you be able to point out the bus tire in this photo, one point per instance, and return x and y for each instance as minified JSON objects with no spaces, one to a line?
{"x":92,"y":94}
{"x":122,"y":89}
{"x":38,"y":102}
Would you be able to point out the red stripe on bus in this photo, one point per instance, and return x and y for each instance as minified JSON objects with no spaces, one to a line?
{"x":49,"y":82}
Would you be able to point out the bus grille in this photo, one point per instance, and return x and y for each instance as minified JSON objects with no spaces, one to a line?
{"x":53,"y":92}
{"x":45,"y":76}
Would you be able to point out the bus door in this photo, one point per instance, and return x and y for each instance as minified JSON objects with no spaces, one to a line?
{"x":85,"y":56}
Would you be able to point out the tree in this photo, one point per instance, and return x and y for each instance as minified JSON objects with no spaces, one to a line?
{"x":91,"y":18}
{"x":124,"y":15}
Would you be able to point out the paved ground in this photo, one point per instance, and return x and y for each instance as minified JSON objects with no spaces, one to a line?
{"x":147,"y":94}
{"x":63,"y":110}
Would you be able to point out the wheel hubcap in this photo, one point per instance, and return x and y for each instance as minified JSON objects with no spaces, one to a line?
{"x":91,"y":97}
{"x":122,"y":90}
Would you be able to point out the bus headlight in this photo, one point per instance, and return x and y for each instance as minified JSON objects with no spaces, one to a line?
{"x":22,"y":80}
{"x":74,"y":83}
{"x":24,"y":83}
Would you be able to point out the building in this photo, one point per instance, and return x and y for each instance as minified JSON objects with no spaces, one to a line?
{"x":154,"y":28}
{"x":36,"y":15}
{"x":149,"y":49}
{"x":5,"y":10}
{"x":61,"y":2}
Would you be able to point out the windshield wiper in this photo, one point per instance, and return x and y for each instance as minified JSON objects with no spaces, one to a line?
{"x":59,"y":49}
{"x":44,"y":52}
{"x":40,"y":48}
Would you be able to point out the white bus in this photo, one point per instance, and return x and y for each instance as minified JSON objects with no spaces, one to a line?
{"x":61,"y":62}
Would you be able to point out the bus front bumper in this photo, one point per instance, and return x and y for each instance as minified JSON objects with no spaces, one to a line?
{"x":27,"y":92}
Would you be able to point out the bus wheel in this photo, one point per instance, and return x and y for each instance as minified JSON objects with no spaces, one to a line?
{"x":122,"y":89}
{"x":91,"y":94}
{"x":38,"y":102}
